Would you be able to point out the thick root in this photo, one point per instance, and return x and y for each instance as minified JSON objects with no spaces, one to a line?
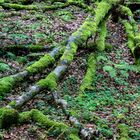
{"x":133,"y":41}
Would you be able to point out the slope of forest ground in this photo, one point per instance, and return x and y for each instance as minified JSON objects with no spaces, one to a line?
{"x":114,"y":97}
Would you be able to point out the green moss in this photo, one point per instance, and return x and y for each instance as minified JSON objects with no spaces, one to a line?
{"x":39,"y":117}
{"x":108,"y":46}
{"x":8,"y":117}
{"x":88,"y":79}
{"x":90,"y":44}
{"x":49,"y":82}
{"x":19,"y":7}
{"x":69,"y":53}
{"x":133,"y":41}
{"x":130,"y":34}
{"x":25,"y":117}
{"x":12,"y":104}
{"x":37,"y":47}
{"x":1,"y":1}
{"x":39,"y":16}
{"x":102,"y":36}
{"x":40,"y":64}
{"x":73,"y":137}
{"x":126,"y":11}
{"x":6,"y":84}
{"x":102,"y":10}
{"x":123,"y":128}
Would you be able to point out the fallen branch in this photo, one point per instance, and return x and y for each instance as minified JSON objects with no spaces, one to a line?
{"x":7,"y":83}
{"x":11,"y":116}
{"x":132,"y":33}
{"x":45,"y":8}
{"x":90,"y":74}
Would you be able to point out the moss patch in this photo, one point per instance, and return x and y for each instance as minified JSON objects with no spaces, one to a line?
{"x":49,"y":82}
{"x":45,"y":121}
{"x":8,"y":117}
{"x":123,"y":128}
{"x":6,"y":84}
{"x":102,"y":36}
{"x":40,"y":64}
{"x":69,"y":53}
{"x":1,"y":1}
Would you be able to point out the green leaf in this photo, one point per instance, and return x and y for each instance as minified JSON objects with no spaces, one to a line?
{"x":110,"y":70}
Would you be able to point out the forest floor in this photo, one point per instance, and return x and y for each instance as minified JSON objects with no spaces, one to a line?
{"x":115,"y":98}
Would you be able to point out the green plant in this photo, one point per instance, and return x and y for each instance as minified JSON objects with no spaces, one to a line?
{"x":65,"y":15}
{"x":22,"y":59}
{"x":11,"y":56}
{"x":4,"y":67}
{"x":2,"y":15}
{"x":110,"y":70}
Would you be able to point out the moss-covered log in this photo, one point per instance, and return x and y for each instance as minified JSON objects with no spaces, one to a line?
{"x":44,"y":8}
{"x":127,"y":14}
{"x":39,"y":117}
{"x":10,"y":116}
{"x":7,"y":83}
{"x":90,"y":74}
{"x":102,"y":36}
{"x":29,"y":48}
{"x":132,"y":33}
